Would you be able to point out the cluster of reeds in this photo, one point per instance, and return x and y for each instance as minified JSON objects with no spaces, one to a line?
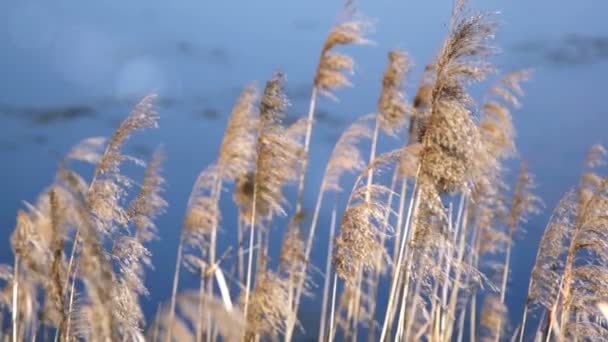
{"x":415,"y":259}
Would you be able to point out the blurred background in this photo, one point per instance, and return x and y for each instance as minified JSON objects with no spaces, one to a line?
{"x":72,"y":69}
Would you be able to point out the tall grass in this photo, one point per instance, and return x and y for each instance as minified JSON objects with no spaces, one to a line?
{"x":416,"y":259}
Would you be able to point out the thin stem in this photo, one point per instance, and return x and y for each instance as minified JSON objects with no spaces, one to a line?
{"x":371,"y":332}
{"x":307,"y":137}
{"x":388,"y":318}
{"x":71,"y":302}
{"x":70,"y":263}
{"x":461,"y":318}
{"x":307,"y":251}
{"x":332,"y":229}
{"x":505,"y":278}
{"x":250,"y":256}
{"x":523,"y":324}
{"x":399,"y":225}
{"x":332,"y":317}
{"x":178,"y":263}
{"x":461,"y":225}
{"x":474,"y":263}
{"x":410,"y":320}
{"x":201,"y":295}
{"x":15,"y":308}
{"x":216,"y":193}
{"x":241,"y":252}
{"x":473,"y":318}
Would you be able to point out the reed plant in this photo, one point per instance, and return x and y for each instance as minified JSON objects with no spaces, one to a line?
{"x":413,"y":258}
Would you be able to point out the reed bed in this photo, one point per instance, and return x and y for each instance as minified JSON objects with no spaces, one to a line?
{"x":424,"y":256}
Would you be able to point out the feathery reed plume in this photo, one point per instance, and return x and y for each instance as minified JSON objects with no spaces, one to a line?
{"x":496,"y":126}
{"x":278,"y":158}
{"x":269,"y":306}
{"x":107,"y":188}
{"x":201,"y":218}
{"x":236,"y":156}
{"x":450,"y":136}
{"x":229,"y":323}
{"x":88,"y":150}
{"x":545,"y":277}
{"x":420,"y":105}
{"x":392,"y":107}
{"x":27,"y":248}
{"x":390,"y":118}
{"x":95,"y":316}
{"x":131,"y":254}
{"x":237,"y":152}
{"x":583,"y":279}
{"x":488,"y":208}
{"x":243,"y":194}
{"x":148,"y":203}
{"x":38,"y":242}
{"x":58,"y":275}
{"x":523,"y":204}
{"x":106,"y":192}
{"x":358,"y":245}
{"x":332,"y":65}
{"x":493,"y":318}
{"x":278,"y":154}
{"x":345,"y":157}
{"x":329,"y":75}
{"x":202,"y":212}
{"x":450,"y":142}
{"x":278,"y":150}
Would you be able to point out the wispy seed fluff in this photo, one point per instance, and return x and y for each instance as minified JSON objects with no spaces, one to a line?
{"x":392,"y":108}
